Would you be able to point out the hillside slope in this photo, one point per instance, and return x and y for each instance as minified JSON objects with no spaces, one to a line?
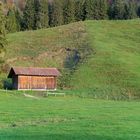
{"x":95,"y":57}
{"x":114,"y":67}
{"x":62,"y":47}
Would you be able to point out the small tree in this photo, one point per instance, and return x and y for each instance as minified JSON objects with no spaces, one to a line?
{"x":29,"y":15}
{"x":130,"y":10}
{"x":12,"y":23}
{"x":2,"y":28}
{"x":41,"y":19}
{"x":56,"y":13}
{"x":117,"y":9}
{"x":80,"y":10}
{"x":2,"y":32}
{"x":68,"y":11}
{"x":89,"y":7}
{"x":138,"y":10}
{"x":103,"y":9}
{"x":18,"y":19}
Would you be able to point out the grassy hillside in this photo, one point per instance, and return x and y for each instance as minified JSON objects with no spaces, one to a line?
{"x":55,"y":47}
{"x":43,"y":48}
{"x":96,"y":58}
{"x":114,"y":67}
{"x":67,"y":118}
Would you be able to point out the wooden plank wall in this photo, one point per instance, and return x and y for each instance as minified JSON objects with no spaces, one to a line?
{"x":36,"y":82}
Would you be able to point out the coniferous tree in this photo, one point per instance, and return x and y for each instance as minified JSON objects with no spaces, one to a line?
{"x":103,"y":9}
{"x":80,"y":10}
{"x":29,"y":15}
{"x":96,"y":9}
{"x":18,"y":19}
{"x":130,"y":10}
{"x":117,"y":9}
{"x":138,"y":10}
{"x":68,"y":11}
{"x":56,"y":13}
{"x":2,"y":30}
{"x":12,"y":22}
{"x":89,"y":4}
{"x":41,"y":18}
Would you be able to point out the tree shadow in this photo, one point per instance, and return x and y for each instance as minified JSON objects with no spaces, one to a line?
{"x":60,"y":137}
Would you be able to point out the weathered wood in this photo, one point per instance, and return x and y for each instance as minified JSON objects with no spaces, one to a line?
{"x":34,"y":82}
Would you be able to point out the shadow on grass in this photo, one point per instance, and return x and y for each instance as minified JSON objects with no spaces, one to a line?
{"x":60,"y":137}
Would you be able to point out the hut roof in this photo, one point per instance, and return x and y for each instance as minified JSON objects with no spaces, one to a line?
{"x":31,"y":71}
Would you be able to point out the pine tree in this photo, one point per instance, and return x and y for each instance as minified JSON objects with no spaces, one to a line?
{"x":117,"y":9}
{"x":2,"y":30}
{"x":29,"y":15}
{"x":103,"y":9}
{"x":68,"y":11}
{"x":18,"y":19}
{"x":80,"y":11}
{"x":130,"y":10}
{"x":41,"y":19}
{"x":96,"y":9}
{"x":56,"y":13}
{"x":12,"y":23}
{"x":138,"y":10}
{"x":89,"y":4}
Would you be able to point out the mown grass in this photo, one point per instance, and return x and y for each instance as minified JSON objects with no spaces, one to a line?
{"x":68,"y":118}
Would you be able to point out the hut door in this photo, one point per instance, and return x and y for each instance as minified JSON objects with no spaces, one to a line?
{"x":50,"y":83}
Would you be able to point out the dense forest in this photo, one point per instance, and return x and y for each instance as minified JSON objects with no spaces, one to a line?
{"x":36,"y":14}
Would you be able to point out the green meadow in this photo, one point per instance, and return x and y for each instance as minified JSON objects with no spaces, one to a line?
{"x":96,"y":58}
{"x":113,"y":68}
{"x":71,"y":118}
{"x":100,"y":66}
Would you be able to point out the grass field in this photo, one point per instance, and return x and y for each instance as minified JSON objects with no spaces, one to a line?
{"x":114,"y":66}
{"x":96,"y":58}
{"x":71,"y":118}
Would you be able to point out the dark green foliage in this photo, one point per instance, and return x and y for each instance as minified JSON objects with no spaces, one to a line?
{"x":18,"y":19}
{"x":29,"y":15}
{"x":96,"y":9}
{"x":138,"y":10}
{"x":41,"y":14}
{"x":56,"y":13}
{"x":103,"y":8}
{"x":68,"y":11}
{"x":80,"y":10}
{"x":89,"y":4}
{"x":13,"y":20}
{"x":7,"y":84}
{"x":2,"y":29}
{"x":117,"y":9}
{"x":130,"y":10}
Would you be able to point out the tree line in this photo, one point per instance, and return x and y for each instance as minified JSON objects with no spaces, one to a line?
{"x":2,"y":31}
{"x":39,"y":14}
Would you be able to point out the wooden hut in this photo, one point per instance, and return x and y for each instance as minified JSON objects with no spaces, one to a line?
{"x":34,"y":78}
